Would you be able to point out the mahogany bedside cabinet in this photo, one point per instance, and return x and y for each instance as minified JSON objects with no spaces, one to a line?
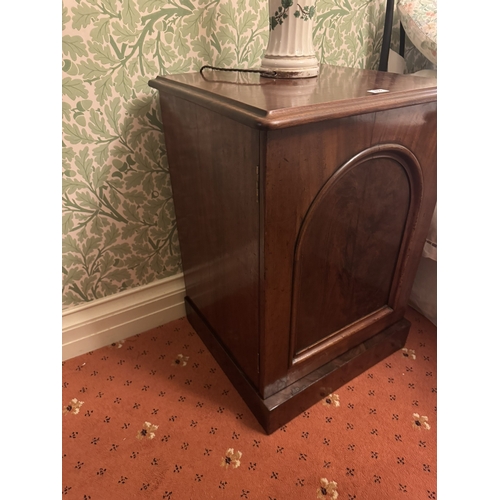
{"x":302,"y":209}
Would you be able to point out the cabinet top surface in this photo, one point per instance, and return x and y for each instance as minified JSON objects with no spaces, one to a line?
{"x":276,"y":103}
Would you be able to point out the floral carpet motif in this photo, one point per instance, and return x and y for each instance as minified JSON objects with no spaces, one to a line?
{"x":154,"y":417}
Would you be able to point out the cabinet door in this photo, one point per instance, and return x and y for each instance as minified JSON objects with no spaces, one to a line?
{"x":346,"y":213}
{"x":348,"y":249}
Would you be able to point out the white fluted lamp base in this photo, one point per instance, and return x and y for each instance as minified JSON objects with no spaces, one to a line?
{"x":291,"y":66}
{"x":290,"y":50}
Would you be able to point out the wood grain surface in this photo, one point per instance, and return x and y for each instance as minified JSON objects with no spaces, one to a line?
{"x":302,"y":210}
{"x":276,"y":103}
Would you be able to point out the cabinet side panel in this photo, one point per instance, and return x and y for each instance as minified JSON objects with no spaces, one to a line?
{"x":213,"y":162}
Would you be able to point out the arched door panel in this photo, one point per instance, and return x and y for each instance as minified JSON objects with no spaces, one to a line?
{"x":350,"y":243}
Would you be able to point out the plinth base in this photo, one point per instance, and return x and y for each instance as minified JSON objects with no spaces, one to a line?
{"x":291,"y":401}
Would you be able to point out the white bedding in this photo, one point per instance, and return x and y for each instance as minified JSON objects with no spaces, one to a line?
{"x":419,"y":20}
{"x":424,"y":292}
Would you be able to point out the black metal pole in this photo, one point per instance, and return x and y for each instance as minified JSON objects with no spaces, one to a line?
{"x":402,"y":38}
{"x":386,"y":40}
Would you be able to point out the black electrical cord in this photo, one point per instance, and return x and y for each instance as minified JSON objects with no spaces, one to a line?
{"x":240,"y":70}
{"x":269,"y":74}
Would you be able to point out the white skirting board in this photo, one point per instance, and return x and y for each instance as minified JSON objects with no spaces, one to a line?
{"x":89,"y":326}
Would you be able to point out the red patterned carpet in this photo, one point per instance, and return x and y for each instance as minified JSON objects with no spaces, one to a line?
{"x":154,"y":417}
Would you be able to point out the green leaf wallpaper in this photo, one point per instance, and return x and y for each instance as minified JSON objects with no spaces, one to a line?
{"x":118,"y":217}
